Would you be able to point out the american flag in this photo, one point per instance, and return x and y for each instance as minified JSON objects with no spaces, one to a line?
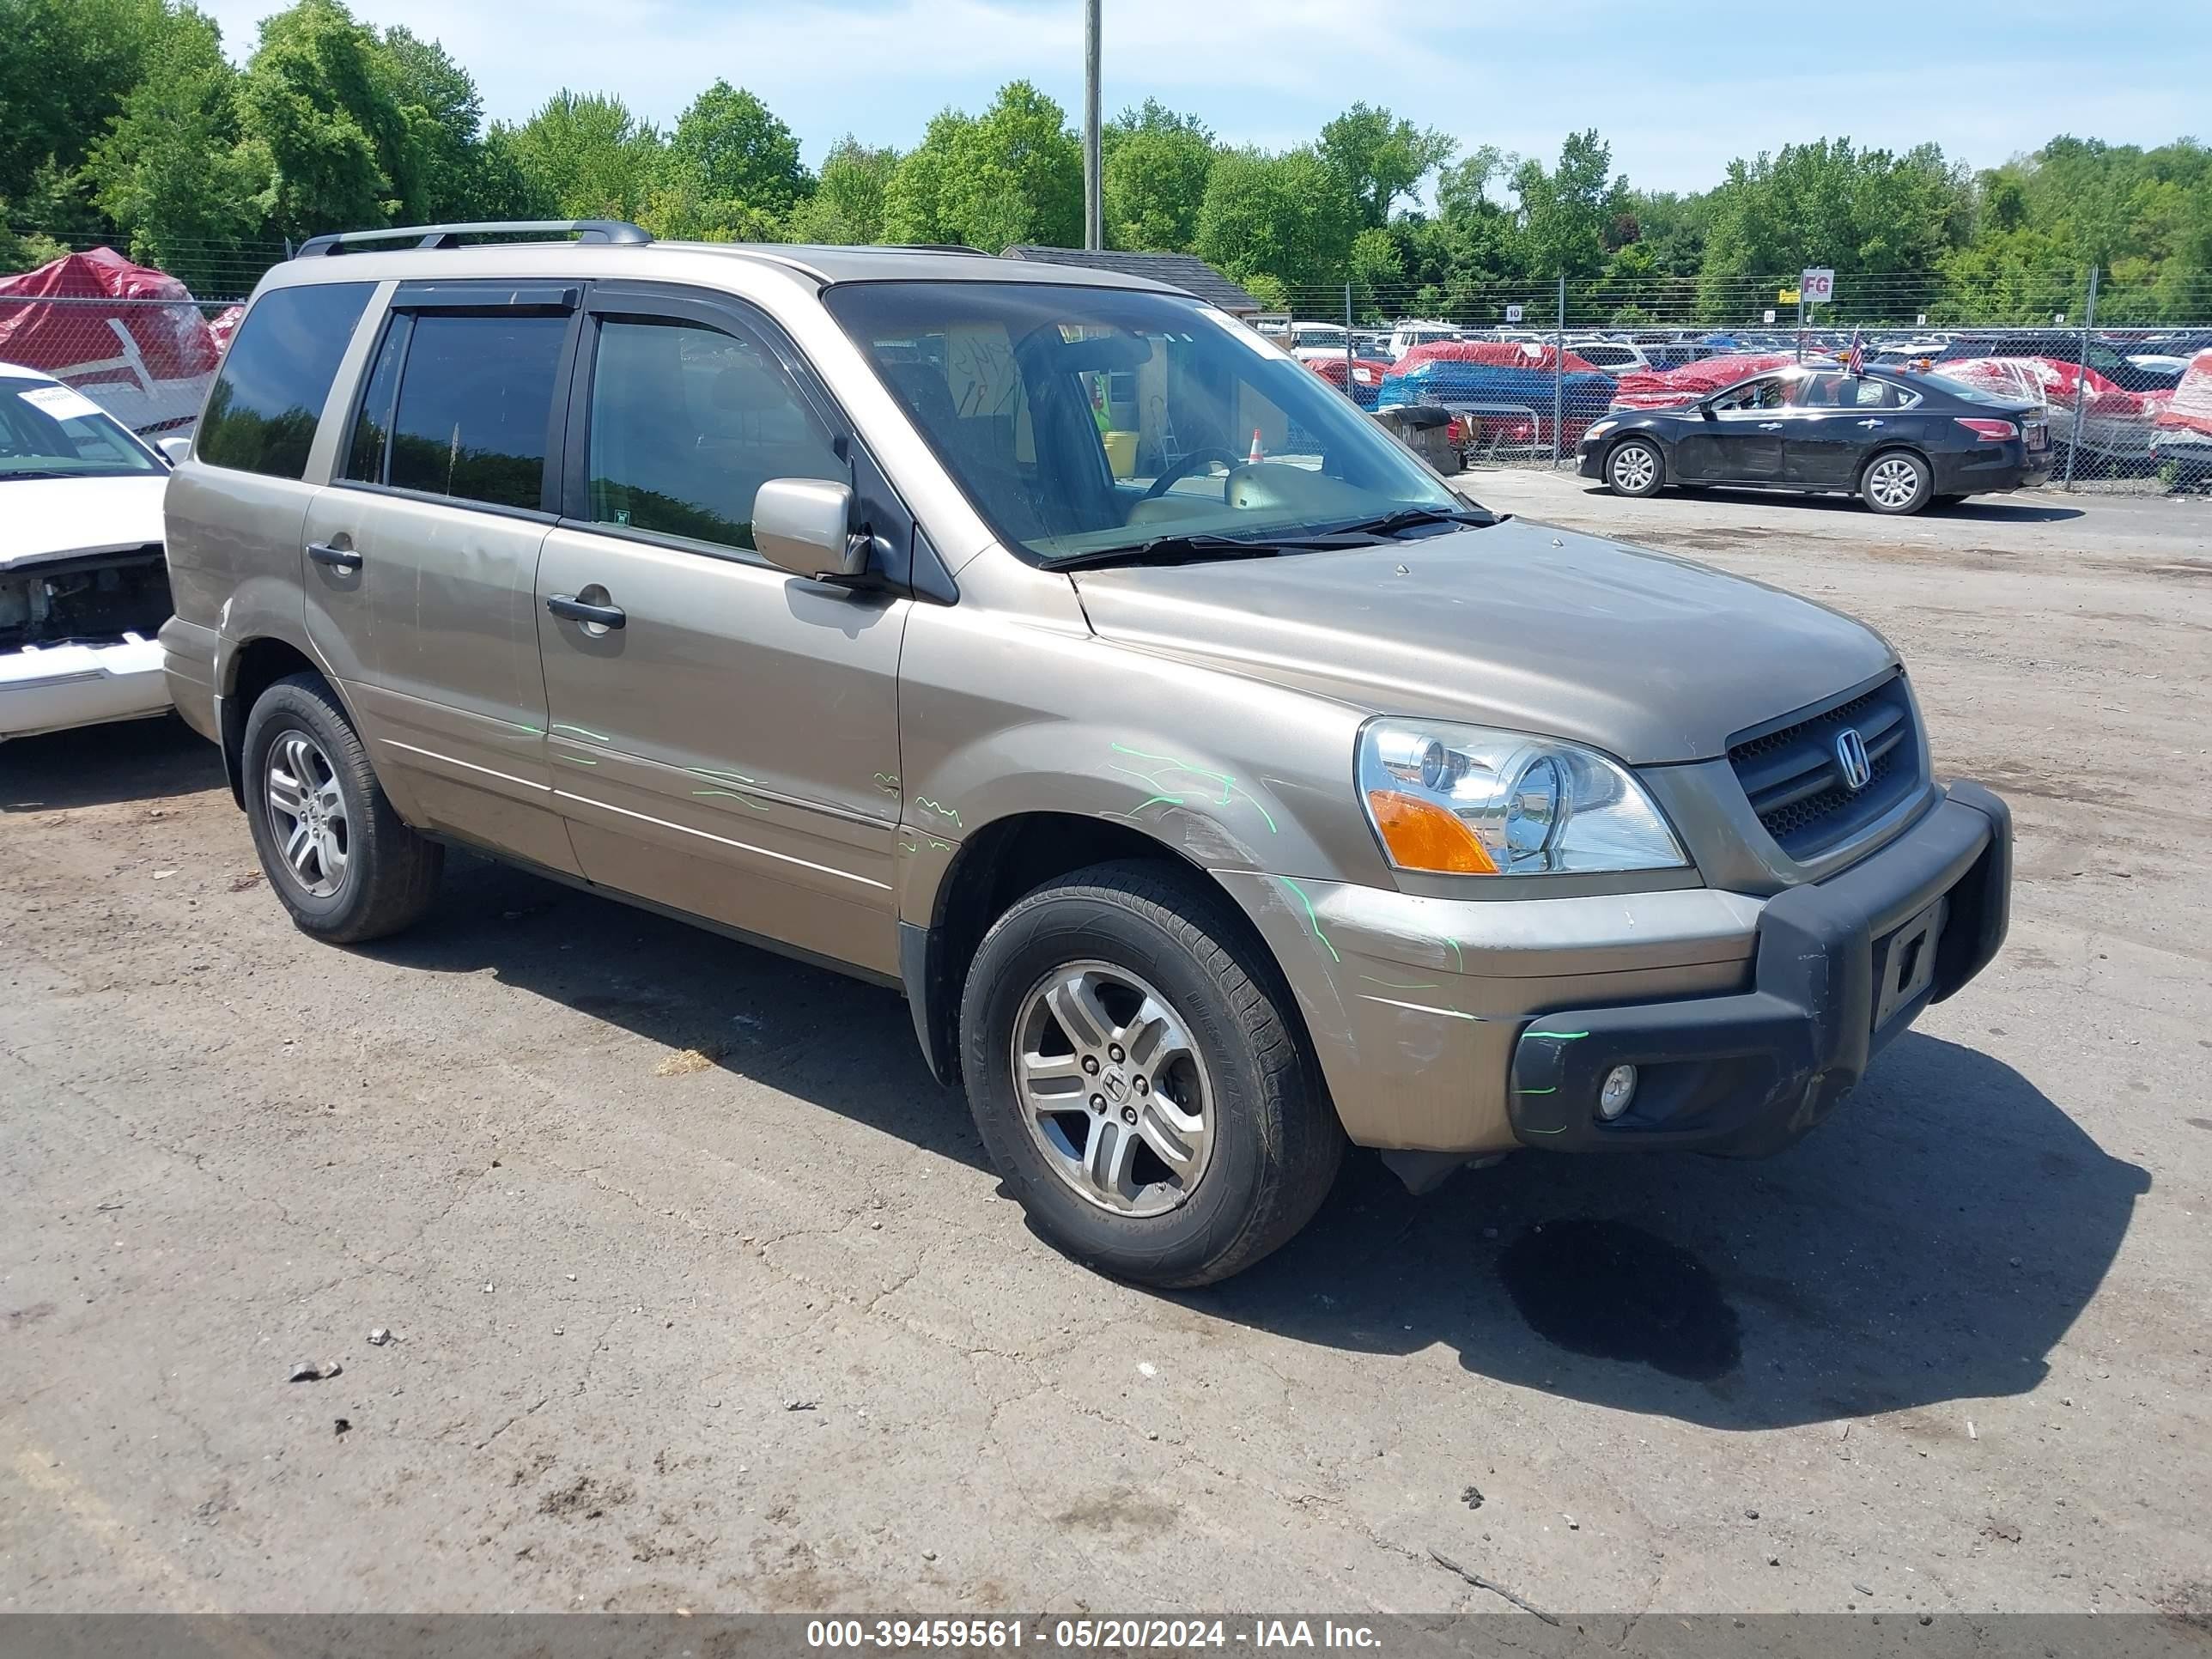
{"x":1855,"y":359}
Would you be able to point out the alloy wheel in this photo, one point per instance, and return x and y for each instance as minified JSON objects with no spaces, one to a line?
{"x":1634,"y":467}
{"x":1112,"y":1089}
{"x":307,"y":813}
{"x":1894,"y":481}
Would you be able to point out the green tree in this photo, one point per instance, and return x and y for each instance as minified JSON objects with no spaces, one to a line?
{"x":1012,"y":174}
{"x":1377,"y":159}
{"x":1566,"y":212}
{"x":322,"y":99}
{"x":587,"y":155}
{"x":66,"y":68}
{"x":175,"y":170}
{"x":432,"y":156}
{"x":1288,"y":216}
{"x":848,"y":202}
{"x":1860,"y":212}
{"x":729,"y":147}
{"x":1153,"y":164}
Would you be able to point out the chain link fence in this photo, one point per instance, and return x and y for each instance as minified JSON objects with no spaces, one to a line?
{"x":2121,"y":368}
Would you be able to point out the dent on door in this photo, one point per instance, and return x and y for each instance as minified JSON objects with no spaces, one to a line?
{"x":424,"y":612}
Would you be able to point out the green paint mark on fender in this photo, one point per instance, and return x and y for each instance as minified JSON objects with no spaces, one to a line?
{"x":731,"y":795}
{"x":1552,"y":1091}
{"x":1559,"y":1036}
{"x":1231,"y":791}
{"x":572,"y":760}
{"x":582,"y":732}
{"x":1310,"y":916}
{"x":923,"y":804}
{"x":1401,"y":984}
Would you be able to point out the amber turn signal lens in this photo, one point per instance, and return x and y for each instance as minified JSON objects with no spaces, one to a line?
{"x":1424,"y":836}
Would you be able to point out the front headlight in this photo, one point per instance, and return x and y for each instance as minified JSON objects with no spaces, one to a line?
{"x":1467,"y":800}
{"x":1598,"y":429}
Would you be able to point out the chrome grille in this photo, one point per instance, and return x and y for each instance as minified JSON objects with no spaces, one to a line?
{"x":1794,"y":777}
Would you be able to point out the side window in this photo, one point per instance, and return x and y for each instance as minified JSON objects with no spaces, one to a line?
{"x":368,"y":452}
{"x":687,"y":423}
{"x":1766,"y":393}
{"x":262,"y":411}
{"x":475,"y":399}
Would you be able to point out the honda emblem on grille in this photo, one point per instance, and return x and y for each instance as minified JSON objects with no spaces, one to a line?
{"x":1851,"y":755}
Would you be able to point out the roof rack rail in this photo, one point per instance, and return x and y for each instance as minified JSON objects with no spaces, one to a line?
{"x":588,"y":230}
{"x":933,"y":248}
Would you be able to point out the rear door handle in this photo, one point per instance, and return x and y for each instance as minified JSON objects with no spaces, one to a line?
{"x":1769,"y":426}
{"x":338,"y":558}
{"x":576,"y":610}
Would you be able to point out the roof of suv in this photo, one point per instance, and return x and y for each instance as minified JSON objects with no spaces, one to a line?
{"x":825,"y":265}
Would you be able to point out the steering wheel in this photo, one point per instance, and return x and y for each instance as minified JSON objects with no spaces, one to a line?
{"x":1190,"y":464}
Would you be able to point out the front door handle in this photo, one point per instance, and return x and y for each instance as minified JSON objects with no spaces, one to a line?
{"x":338,"y":558}
{"x":1769,"y":426}
{"x":576,"y":610}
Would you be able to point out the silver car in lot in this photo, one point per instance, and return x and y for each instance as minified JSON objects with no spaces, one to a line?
{"x":1217,"y":785}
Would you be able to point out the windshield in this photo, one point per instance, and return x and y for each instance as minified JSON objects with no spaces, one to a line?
{"x":49,"y":431}
{"x":1079,"y":421}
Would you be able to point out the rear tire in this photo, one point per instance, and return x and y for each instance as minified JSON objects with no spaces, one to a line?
{"x":1177,"y":1043}
{"x":336,"y":854}
{"x":1635,"y":468}
{"x":1897,"y":483}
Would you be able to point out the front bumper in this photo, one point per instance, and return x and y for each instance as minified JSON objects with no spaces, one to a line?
{"x":1749,"y":1017}
{"x":57,"y":687}
{"x":1844,"y":966}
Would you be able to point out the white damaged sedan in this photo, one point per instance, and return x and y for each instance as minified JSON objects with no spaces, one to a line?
{"x":84,"y":587}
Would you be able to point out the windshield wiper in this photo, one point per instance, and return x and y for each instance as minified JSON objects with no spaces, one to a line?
{"x":1409,"y":517}
{"x":1175,"y":550}
{"x":40,"y":472}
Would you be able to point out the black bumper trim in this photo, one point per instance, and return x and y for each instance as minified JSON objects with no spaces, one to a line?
{"x":1752,"y":1073}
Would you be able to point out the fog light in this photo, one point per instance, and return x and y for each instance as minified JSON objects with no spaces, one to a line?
{"x":1619,"y":1088}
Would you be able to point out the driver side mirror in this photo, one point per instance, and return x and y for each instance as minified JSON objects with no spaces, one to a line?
{"x":177,"y":448}
{"x":804,"y":526}
{"x":1707,"y":409}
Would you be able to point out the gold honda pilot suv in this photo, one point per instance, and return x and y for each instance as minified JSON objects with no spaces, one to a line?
{"x":1218,"y":786}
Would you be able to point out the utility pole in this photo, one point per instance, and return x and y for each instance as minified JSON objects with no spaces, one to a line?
{"x":1094,"y":204}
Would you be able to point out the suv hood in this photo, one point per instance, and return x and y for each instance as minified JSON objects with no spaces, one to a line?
{"x":53,"y":518}
{"x":1647,"y":657}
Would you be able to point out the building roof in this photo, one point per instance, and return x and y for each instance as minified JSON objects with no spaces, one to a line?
{"x":1183,"y":270}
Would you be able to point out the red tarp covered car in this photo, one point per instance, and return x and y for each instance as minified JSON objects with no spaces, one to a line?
{"x":131,"y":338}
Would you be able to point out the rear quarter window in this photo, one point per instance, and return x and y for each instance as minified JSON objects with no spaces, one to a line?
{"x":262,"y":412}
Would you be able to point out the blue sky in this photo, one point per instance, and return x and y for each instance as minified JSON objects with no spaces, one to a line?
{"x":1678,"y":88}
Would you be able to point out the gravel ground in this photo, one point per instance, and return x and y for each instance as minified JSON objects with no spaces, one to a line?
{"x":702,"y":1295}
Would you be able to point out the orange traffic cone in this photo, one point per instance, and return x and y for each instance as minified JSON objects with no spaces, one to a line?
{"x":1258,"y":454}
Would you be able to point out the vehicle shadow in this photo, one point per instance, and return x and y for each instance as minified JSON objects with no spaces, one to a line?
{"x":1982,"y":508}
{"x":130,"y":760}
{"x":1934,"y":1240}
{"x":833,"y":1041}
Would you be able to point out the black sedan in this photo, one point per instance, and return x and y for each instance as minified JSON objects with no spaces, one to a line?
{"x":1898,"y":442}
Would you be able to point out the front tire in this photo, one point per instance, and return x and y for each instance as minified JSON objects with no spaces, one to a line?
{"x":1897,"y":483}
{"x":1635,"y":468}
{"x":1133,"y":1069}
{"x":335,"y":853}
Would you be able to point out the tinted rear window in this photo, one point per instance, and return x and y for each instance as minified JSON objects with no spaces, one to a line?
{"x":476,"y":401}
{"x":261,"y":414}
